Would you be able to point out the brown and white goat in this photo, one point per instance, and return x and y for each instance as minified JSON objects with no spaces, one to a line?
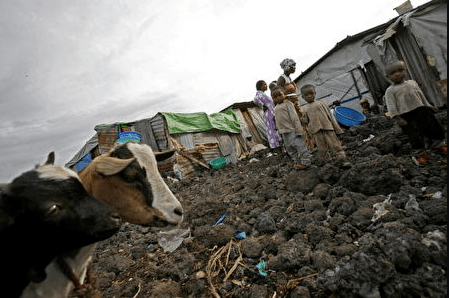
{"x":127,"y":178}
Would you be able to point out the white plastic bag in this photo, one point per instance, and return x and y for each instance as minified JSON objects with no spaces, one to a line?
{"x":171,"y":240}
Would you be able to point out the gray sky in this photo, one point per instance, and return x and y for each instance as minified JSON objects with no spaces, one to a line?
{"x":67,"y":66}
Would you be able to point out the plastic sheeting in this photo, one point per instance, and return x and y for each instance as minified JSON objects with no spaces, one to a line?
{"x":332,"y":76}
{"x":430,"y":31}
{"x":196,"y":122}
{"x":90,"y":144}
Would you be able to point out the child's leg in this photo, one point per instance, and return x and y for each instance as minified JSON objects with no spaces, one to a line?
{"x":334,"y":144}
{"x":290,"y":148}
{"x":414,"y":129}
{"x":432,"y":129}
{"x":303,"y":151}
{"x":321,"y":146}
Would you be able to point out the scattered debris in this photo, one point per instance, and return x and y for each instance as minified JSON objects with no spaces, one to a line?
{"x":412,"y":204}
{"x":262,"y":268}
{"x":368,"y":139}
{"x":379,"y":209}
{"x":241,"y":235}
{"x":172,"y":239}
{"x":220,"y":220}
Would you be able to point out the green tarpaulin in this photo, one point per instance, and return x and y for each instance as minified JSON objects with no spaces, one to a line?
{"x":196,"y":122}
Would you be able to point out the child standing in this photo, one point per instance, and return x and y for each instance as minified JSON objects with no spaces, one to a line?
{"x":413,"y":113}
{"x":322,"y":126}
{"x":264,"y":101}
{"x":289,"y":126}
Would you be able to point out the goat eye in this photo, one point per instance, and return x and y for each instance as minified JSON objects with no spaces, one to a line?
{"x":53,"y":210}
{"x":129,"y":178}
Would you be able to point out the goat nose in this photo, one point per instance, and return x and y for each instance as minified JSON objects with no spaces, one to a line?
{"x":116,"y":217}
{"x":178,"y":211}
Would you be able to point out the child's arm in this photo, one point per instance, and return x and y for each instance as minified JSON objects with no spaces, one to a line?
{"x":390,"y":101}
{"x":293,"y":115}
{"x":304,"y":118}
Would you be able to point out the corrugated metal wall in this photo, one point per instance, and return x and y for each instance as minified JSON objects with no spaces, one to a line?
{"x":160,"y":132}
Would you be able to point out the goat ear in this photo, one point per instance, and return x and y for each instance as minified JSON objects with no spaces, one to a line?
{"x":3,"y":187}
{"x":6,"y":219}
{"x":160,"y":156}
{"x":50,"y":158}
{"x":111,"y":166}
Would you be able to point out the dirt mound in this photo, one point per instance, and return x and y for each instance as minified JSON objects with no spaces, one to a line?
{"x":260,"y":228}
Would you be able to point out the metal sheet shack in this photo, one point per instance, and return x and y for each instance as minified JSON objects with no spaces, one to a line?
{"x":196,"y":138}
{"x":355,"y":67}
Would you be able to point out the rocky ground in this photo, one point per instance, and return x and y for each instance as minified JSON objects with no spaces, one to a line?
{"x":378,"y":229}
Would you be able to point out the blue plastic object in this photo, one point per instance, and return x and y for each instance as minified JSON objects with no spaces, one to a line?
{"x":241,"y":235}
{"x":219,"y":221}
{"x":83,"y":162}
{"x":349,"y":117}
{"x":262,"y":268}
{"x":127,"y":136}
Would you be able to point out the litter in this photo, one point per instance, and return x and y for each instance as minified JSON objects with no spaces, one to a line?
{"x":241,"y":235}
{"x":220,"y":220}
{"x":422,"y":159}
{"x":262,"y":267}
{"x":412,"y":204}
{"x":368,"y":139}
{"x":435,"y":238}
{"x":218,"y":163}
{"x":172,"y":180}
{"x":379,"y":209}
{"x":171,"y":240}
{"x":437,"y":195}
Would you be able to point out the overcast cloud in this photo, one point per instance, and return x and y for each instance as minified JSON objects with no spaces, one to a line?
{"x":67,"y":66}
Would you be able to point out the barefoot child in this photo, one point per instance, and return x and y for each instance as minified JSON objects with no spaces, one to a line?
{"x":413,"y":113}
{"x":289,"y":126}
{"x":322,"y":126}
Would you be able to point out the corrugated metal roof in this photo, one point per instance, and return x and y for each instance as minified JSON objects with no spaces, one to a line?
{"x":367,"y":34}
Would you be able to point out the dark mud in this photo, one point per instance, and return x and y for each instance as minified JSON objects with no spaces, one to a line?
{"x":378,"y":229}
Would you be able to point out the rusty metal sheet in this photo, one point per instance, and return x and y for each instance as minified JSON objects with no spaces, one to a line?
{"x":160,"y":132}
{"x":257,"y":118}
{"x":106,"y":138}
{"x":146,"y":131}
{"x":245,"y":131}
{"x":186,"y":139}
{"x":252,"y":128}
